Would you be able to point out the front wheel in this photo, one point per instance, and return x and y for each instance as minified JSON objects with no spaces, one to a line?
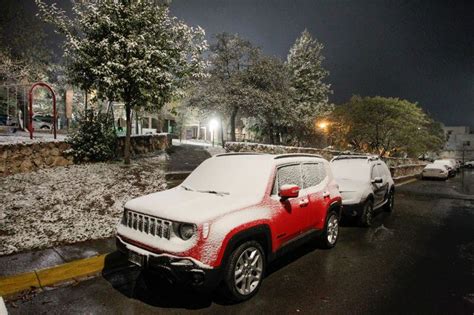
{"x":244,"y":272}
{"x":330,"y":234}
{"x":367,"y":214}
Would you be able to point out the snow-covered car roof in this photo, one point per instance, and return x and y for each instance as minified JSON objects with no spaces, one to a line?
{"x":356,"y":157}
{"x":436,"y":166}
{"x":273,"y":158}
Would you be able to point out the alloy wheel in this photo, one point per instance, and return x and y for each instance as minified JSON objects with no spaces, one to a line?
{"x":248,"y":271}
{"x":333,"y":229}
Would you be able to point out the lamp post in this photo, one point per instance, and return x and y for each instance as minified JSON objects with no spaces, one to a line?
{"x":323,"y":125}
{"x":213,"y":124}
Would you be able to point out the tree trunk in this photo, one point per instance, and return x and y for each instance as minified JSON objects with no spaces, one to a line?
{"x":222,"y":133}
{"x":85,"y":101}
{"x":126,"y":152}
{"x":233,"y":116}
{"x":270,"y":134}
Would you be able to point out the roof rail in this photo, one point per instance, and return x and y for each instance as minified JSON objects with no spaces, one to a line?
{"x":290,"y":155}
{"x":239,"y":153}
{"x":355,"y":156}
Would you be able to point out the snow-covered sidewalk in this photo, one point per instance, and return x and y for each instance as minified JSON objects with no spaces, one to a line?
{"x":71,"y":204}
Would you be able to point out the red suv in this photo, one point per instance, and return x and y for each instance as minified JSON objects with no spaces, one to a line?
{"x":234,"y":214}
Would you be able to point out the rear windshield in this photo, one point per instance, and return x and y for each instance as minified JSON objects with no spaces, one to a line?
{"x":354,"y":169}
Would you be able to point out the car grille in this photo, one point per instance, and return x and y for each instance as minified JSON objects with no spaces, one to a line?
{"x":147,"y":224}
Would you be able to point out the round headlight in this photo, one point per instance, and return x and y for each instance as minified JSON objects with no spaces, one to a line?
{"x":186,"y":231}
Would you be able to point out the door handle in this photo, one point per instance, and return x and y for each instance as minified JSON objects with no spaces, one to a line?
{"x":326,"y":194}
{"x":304,"y":202}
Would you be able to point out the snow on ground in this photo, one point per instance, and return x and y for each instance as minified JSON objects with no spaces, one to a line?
{"x":73,"y":203}
{"x":24,"y":137}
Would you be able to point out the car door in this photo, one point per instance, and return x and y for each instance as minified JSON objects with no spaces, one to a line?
{"x":289,"y":215}
{"x":384,"y":173}
{"x":315,"y":188}
{"x":378,"y":188}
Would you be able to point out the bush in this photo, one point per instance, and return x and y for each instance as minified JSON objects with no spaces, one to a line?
{"x":95,"y":139}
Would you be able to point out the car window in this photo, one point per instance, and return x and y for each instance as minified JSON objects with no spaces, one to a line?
{"x":380,"y":170}
{"x":287,"y":175}
{"x":313,"y":174}
{"x":375,"y":172}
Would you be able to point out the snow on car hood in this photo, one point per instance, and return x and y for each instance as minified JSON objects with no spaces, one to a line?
{"x":181,"y":205}
{"x":346,"y":184}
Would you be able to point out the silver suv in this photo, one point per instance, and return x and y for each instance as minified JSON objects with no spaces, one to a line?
{"x":365,"y":184}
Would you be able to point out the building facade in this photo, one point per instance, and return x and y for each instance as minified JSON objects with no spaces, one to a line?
{"x":459,"y":143}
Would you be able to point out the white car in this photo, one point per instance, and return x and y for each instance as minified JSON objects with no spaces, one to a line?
{"x":40,"y":124}
{"x":449,"y":163}
{"x":365,"y":184}
{"x":435,"y":170}
{"x":469,"y":164}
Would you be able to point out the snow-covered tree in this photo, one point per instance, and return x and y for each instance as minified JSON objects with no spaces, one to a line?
{"x":266,"y":98}
{"x":130,"y":51}
{"x":222,"y":91}
{"x":308,"y":88}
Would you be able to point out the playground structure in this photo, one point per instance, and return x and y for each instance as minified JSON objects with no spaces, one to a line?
{"x":30,"y":101}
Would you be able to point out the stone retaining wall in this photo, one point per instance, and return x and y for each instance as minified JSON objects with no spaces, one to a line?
{"x":144,"y":144}
{"x":327,"y":154}
{"x":26,"y":157}
{"x":399,"y":167}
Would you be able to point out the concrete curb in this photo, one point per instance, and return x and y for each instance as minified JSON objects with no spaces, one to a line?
{"x":14,"y":284}
{"x":407,"y":181}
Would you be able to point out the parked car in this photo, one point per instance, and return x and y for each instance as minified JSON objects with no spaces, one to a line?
{"x":435,"y":170}
{"x":469,"y":164}
{"x":451,"y":166}
{"x":365,"y":184}
{"x":229,"y":218}
{"x":40,"y":124}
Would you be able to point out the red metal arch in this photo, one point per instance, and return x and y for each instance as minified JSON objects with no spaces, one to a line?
{"x":30,"y":98}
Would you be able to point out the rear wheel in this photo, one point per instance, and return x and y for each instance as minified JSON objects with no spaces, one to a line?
{"x":367,"y":214}
{"x":390,"y":202}
{"x":328,"y":238}
{"x":244,"y":272}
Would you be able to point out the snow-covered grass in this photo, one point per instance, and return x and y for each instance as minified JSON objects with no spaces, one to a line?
{"x":71,"y":204}
{"x":24,"y":137}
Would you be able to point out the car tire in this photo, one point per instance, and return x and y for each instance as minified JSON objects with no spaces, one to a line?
{"x":367,"y":214}
{"x":330,"y":235}
{"x":244,"y":272}
{"x":390,"y":201}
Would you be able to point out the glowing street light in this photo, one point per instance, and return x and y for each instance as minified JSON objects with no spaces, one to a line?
{"x":213,"y":124}
{"x":323,"y":125}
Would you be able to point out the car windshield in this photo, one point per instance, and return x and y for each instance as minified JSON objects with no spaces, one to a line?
{"x":352,"y":169}
{"x":231,"y":175}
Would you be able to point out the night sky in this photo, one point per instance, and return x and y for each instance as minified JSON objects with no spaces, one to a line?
{"x":419,"y":50}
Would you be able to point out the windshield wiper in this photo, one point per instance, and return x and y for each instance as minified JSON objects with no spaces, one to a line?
{"x":187,"y":188}
{"x":219,"y":193}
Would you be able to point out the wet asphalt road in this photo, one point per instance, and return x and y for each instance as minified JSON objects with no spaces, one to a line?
{"x":417,"y":260}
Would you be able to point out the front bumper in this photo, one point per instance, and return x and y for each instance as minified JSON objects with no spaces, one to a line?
{"x":173,"y":268}
{"x":351,"y":210}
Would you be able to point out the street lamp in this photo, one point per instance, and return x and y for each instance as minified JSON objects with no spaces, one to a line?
{"x":323,"y":125}
{"x":213,"y":124}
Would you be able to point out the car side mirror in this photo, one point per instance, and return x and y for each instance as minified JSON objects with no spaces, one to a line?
{"x":377,"y":180}
{"x":289,"y":191}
